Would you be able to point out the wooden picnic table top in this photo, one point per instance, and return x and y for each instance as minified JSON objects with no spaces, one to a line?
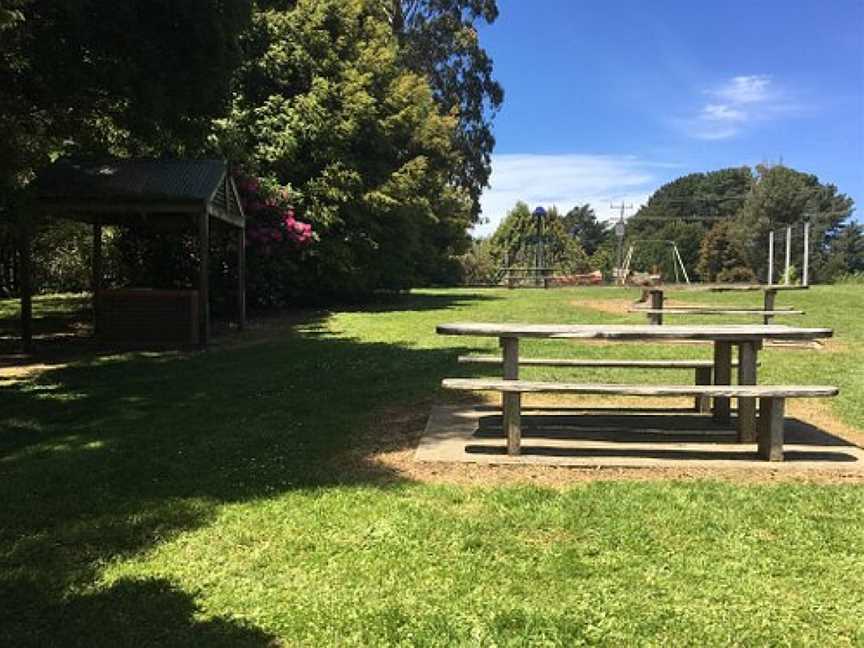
{"x":722,"y":332}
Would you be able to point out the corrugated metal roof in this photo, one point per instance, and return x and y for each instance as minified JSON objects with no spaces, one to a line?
{"x":130,"y":180}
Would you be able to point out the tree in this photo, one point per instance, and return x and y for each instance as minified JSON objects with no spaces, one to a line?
{"x":97,"y":77}
{"x":782,"y":196}
{"x":516,"y":241}
{"x":581,"y":222}
{"x":846,"y":252}
{"x":683,"y":211}
{"x":438,"y":39}
{"x":720,"y":253}
{"x":327,"y":107}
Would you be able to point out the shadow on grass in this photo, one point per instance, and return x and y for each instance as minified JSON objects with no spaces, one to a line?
{"x":129,"y":613}
{"x":107,"y":456}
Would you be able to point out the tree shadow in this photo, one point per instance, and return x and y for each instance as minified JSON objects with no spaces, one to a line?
{"x":107,"y":456}
{"x":392,"y":302}
{"x":128,"y":613}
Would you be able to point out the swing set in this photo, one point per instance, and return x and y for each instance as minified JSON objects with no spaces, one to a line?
{"x":675,"y":256}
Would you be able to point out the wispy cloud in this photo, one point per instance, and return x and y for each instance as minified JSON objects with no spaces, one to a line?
{"x":567,"y":181}
{"x":736,"y":105}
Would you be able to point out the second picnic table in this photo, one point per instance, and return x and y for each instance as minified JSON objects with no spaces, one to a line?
{"x":748,"y":339}
{"x":656,"y":309}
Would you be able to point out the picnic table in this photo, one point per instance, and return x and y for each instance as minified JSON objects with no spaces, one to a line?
{"x":655,"y":296}
{"x":748,"y":339}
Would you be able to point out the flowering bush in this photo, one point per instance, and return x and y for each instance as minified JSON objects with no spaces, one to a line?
{"x":270,"y":218}
{"x":276,"y":244}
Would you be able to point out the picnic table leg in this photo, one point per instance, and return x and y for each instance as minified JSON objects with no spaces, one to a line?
{"x":656,"y":303}
{"x":511,"y":403}
{"x":747,"y":406}
{"x":768,"y":305}
{"x":722,"y":376}
{"x":703,"y":377}
{"x":771,"y":413}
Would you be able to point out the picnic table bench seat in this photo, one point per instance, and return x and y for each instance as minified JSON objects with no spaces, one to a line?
{"x":772,"y":399}
{"x":703,"y":368}
{"x":708,"y":310}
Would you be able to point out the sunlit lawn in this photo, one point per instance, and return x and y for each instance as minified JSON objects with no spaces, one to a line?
{"x":198,"y":499}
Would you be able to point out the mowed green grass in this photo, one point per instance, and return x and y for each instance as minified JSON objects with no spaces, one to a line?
{"x":198,"y":499}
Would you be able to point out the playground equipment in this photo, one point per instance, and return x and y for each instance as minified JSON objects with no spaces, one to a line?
{"x":805,"y":262}
{"x":677,"y":262}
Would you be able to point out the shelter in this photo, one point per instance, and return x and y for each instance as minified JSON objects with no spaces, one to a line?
{"x":170,"y":194}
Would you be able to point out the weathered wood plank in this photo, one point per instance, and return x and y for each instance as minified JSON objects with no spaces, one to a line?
{"x":729,"y":391}
{"x":724,"y":332}
{"x":722,"y":376}
{"x":655,"y":313}
{"x":746,"y":309}
{"x":512,"y":421}
{"x":771,"y":415}
{"x":576,"y":362}
{"x":715,"y":311}
{"x":747,"y":406}
{"x":510,"y":357}
{"x":204,"y":278}
{"x":703,"y":377}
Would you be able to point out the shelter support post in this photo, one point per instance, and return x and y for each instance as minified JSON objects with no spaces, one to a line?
{"x":96,"y":279}
{"x":25,"y":279}
{"x":241,"y":278}
{"x":204,"y":279}
{"x":722,"y":376}
{"x":786,"y":276}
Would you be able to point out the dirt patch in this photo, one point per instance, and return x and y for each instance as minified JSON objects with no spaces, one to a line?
{"x":387,"y":454}
{"x":622,"y":306}
{"x":609,"y":306}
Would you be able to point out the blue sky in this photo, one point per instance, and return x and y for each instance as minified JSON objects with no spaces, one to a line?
{"x":607,"y":100}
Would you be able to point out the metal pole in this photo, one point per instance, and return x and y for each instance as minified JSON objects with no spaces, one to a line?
{"x":683,"y":269}
{"x":788,"y":254}
{"x":770,"y":258}
{"x":806,"y":280}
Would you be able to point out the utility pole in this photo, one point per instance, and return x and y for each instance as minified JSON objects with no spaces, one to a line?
{"x":620,"y":229}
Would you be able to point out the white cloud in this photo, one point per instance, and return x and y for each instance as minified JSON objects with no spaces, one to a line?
{"x":722,"y":112}
{"x":566,"y":181}
{"x":736,"y":105}
{"x":755,"y":88}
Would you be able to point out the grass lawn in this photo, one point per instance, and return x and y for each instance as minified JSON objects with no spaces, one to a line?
{"x":233,"y":498}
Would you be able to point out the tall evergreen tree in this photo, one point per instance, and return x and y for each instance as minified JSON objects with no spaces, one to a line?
{"x":581,"y":222}
{"x":439,"y":40}
{"x":327,"y":106}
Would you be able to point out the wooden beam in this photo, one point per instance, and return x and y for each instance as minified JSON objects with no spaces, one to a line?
{"x":511,"y":402}
{"x":204,"y":279}
{"x":26,"y":284}
{"x":629,"y":389}
{"x":722,"y":376}
{"x":703,"y":377}
{"x":771,"y":415}
{"x":747,"y":406}
{"x":221,"y":214}
{"x":96,"y":279}
{"x":656,"y":305}
{"x":241,"y":278}
{"x":768,"y":305}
